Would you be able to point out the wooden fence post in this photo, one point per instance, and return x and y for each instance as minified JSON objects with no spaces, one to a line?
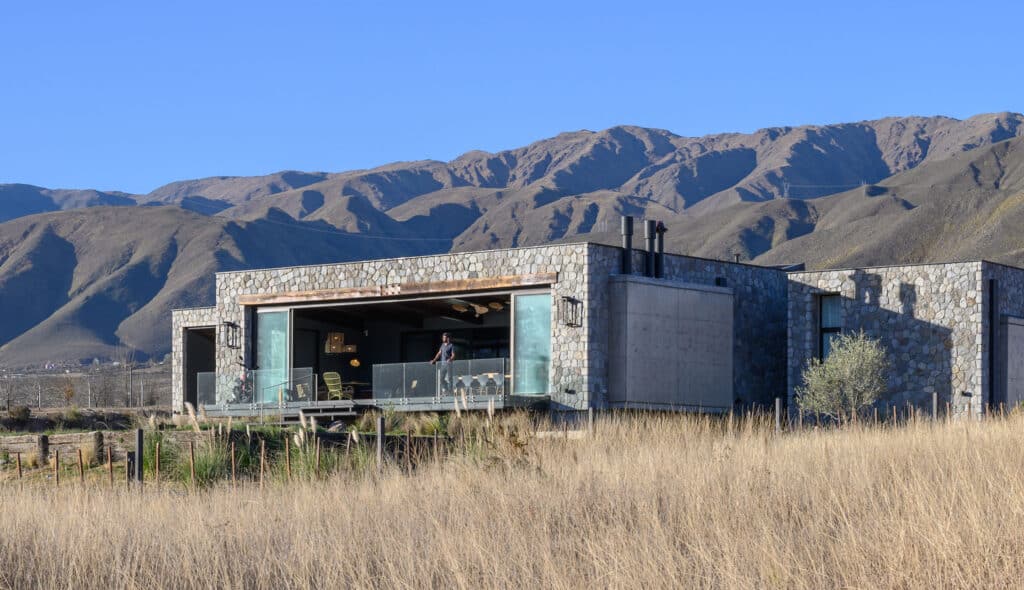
{"x":288,"y":456}
{"x":778,"y":415}
{"x":192,"y":463}
{"x":234,"y":482}
{"x":590,"y":420}
{"x":110,"y":465}
{"x":380,"y":443}
{"x":935,"y":406}
{"x":408,"y":451}
{"x":81,"y":468}
{"x":56,"y":467}
{"x":43,"y":447}
{"x":140,"y":453}
{"x":19,"y":465}
{"x":263,"y":459}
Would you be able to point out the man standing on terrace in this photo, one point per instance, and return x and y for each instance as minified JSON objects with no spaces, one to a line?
{"x":445,"y":354}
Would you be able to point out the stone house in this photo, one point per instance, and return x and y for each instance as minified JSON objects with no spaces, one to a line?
{"x":583,"y":325}
{"x":570,"y":326}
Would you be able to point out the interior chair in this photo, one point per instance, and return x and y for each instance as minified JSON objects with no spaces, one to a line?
{"x":336,"y":389}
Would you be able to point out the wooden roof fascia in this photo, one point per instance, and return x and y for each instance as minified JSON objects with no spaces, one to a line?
{"x":400,"y":289}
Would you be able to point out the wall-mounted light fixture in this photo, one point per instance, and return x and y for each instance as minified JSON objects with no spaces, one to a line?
{"x":335,"y":343}
{"x":571,"y":311}
{"x":229,"y":335}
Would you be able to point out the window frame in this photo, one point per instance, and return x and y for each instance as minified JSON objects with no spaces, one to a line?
{"x":822,"y":330}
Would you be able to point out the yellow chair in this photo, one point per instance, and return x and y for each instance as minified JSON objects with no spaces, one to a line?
{"x":336,"y":389}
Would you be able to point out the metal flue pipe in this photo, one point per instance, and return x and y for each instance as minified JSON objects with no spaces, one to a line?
{"x":650,"y":232}
{"x":659,"y":262}
{"x":627,"y":244}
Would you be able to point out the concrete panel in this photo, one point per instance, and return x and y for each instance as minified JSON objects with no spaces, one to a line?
{"x":1011,"y":390}
{"x":671,"y":344}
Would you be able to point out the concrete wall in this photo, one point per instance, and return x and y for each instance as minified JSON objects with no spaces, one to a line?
{"x":929,"y":318}
{"x":759,"y":319}
{"x":1008,"y":315}
{"x":670,"y":343}
{"x":1011,"y":367}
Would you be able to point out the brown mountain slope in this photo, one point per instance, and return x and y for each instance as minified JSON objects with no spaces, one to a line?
{"x":75,"y":285}
{"x":969,"y":207}
{"x":79,"y":282}
{"x":19,"y":200}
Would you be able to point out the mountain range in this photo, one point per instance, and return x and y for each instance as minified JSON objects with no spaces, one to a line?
{"x":84,"y":273}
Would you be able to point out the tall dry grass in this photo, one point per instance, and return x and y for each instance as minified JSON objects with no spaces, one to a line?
{"x":651,"y":502}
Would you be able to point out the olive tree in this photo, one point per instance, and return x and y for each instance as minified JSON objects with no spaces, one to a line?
{"x":851,"y":378}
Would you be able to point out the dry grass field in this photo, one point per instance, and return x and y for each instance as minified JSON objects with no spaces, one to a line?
{"x":651,"y":502}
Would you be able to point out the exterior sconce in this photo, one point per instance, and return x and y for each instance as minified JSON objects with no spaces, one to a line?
{"x":229,"y":335}
{"x":571,"y":311}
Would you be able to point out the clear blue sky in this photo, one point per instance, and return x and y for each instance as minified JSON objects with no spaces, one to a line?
{"x":132,"y":95}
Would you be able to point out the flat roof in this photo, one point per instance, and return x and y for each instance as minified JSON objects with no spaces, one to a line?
{"x":567,"y":244}
{"x":914,"y":264}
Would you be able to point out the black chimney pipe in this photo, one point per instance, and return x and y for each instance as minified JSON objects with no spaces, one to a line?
{"x":659,"y":262}
{"x":627,"y":244}
{"x":650,"y":232}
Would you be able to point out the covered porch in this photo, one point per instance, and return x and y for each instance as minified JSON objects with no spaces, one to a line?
{"x":337,"y":357}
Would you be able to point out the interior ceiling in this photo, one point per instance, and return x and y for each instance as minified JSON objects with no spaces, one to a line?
{"x":412,"y":311}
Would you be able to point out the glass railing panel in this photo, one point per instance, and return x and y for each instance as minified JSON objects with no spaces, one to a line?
{"x":298,"y":389}
{"x":420,"y":380}
{"x":471,"y":377}
{"x":480,"y":377}
{"x":389,"y":381}
{"x":206,"y":388}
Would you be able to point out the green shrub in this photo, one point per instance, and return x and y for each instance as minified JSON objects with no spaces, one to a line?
{"x":212,"y":463}
{"x":70,"y":418}
{"x":169,"y":453}
{"x":850,"y":379}
{"x":20,"y":414}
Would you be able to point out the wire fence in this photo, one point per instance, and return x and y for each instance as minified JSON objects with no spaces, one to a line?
{"x":116,"y":387}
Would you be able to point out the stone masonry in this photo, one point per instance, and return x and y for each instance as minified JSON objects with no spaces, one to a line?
{"x":569,"y":344}
{"x":196,"y":317}
{"x":579,"y":366}
{"x":928,"y":317}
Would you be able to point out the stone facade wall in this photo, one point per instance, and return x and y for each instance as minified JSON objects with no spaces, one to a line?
{"x":759,"y":325}
{"x":569,"y":344}
{"x":196,"y":317}
{"x":579,"y":354}
{"x":929,"y":318}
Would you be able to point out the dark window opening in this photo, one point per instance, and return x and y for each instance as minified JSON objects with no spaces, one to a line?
{"x":830,"y":322}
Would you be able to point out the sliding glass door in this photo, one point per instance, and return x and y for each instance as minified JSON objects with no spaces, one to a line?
{"x":271,"y":356}
{"x":531,"y":344}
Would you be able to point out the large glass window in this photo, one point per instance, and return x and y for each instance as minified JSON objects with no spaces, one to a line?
{"x":531,"y":345}
{"x":830,"y":323}
{"x":271,"y":355}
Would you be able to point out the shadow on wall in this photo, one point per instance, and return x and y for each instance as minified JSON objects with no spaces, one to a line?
{"x":920,"y":352}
